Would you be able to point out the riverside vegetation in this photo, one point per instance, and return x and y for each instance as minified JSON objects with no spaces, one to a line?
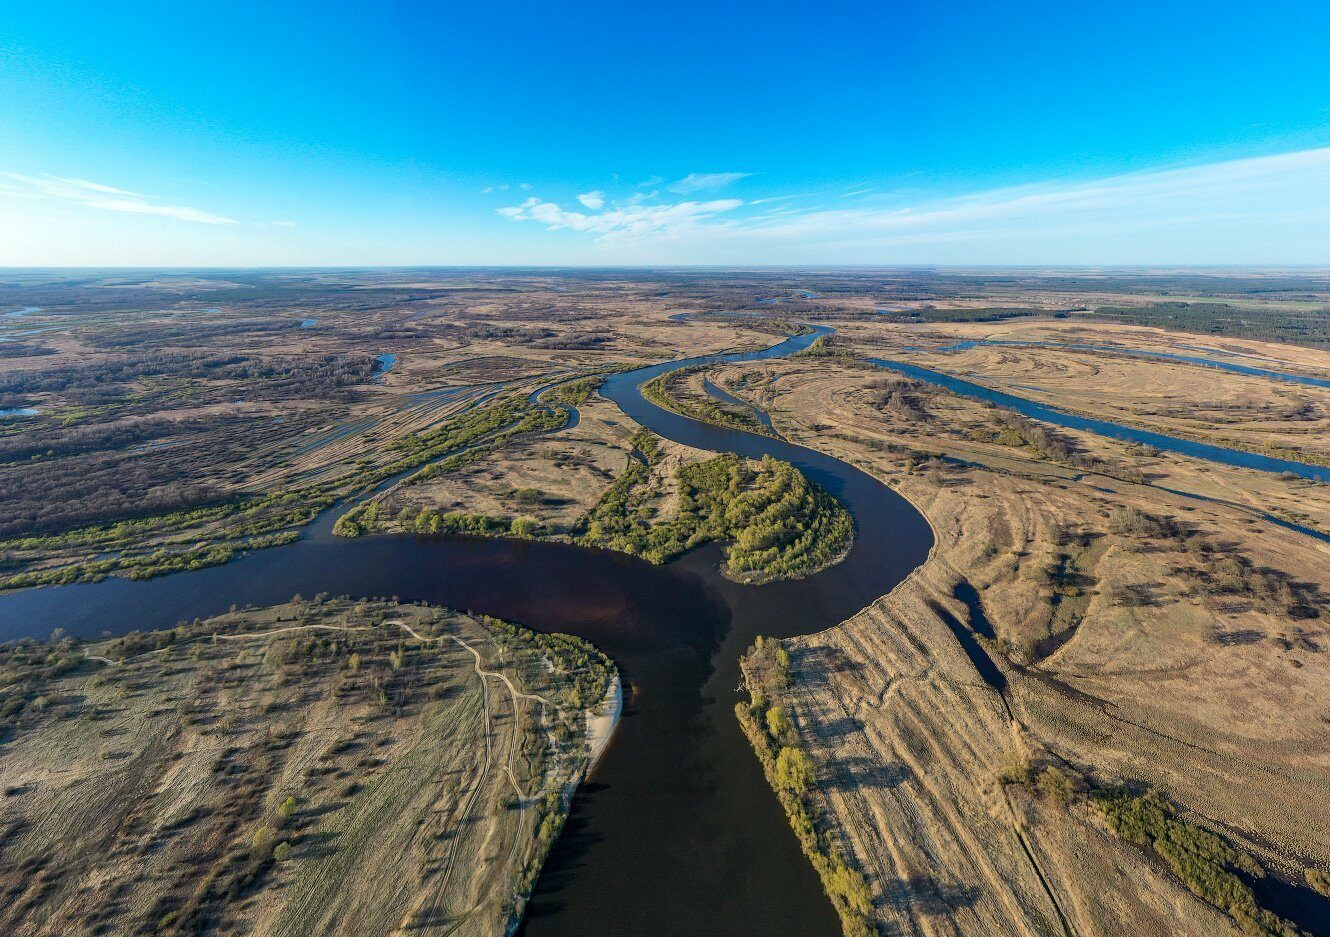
{"x":792,"y":775}
{"x":668,"y":391}
{"x":776,"y":524}
{"x":213,"y":535}
{"x":328,"y":766}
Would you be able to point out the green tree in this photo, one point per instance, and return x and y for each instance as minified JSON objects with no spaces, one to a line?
{"x":287,"y":809}
{"x":778,"y":723}
{"x":794,"y":770}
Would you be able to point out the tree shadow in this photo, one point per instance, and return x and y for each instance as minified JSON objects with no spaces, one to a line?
{"x":926,"y":895}
{"x":318,"y":845}
{"x":1239,"y":637}
{"x":837,"y":729}
{"x":859,"y":773}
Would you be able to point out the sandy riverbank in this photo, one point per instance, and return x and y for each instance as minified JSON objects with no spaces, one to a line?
{"x":600,"y":726}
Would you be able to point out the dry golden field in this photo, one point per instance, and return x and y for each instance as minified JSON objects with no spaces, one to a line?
{"x":319,"y":767}
{"x":1094,"y":613}
{"x":1141,"y":636}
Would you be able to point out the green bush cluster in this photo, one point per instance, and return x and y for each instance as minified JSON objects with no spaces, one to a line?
{"x":119,"y":533}
{"x":1207,"y":863}
{"x":367,"y":516}
{"x":573,"y":393}
{"x":251,"y":523}
{"x":573,"y":658}
{"x":829,"y":346}
{"x":157,"y":563}
{"x":647,"y":445}
{"x":779,"y":524}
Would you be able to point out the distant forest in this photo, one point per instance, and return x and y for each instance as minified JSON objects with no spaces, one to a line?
{"x":1294,"y":326}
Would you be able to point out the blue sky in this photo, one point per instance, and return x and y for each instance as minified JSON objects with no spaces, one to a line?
{"x":741,"y":133}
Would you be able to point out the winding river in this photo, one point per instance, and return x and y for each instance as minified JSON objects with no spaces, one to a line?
{"x":676,"y":831}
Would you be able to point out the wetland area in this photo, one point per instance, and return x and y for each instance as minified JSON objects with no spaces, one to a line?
{"x":677,"y":806}
{"x":1003,"y":664}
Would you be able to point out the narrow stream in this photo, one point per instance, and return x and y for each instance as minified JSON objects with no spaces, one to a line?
{"x":1039,"y":411}
{"x":724,"y":396}
{"x":1248,"y":370}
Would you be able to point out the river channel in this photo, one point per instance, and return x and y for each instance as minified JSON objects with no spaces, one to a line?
{"x":675,"y":832}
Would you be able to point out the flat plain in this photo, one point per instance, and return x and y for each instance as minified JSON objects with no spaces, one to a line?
{"x":1099,"y":706}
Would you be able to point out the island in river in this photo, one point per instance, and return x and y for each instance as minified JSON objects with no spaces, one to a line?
{"x":1069,"y":603}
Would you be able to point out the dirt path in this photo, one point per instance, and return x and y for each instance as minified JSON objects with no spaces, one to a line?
{"x":599,"y":726}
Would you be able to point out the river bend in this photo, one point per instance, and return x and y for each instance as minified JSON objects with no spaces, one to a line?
{"x":676,"y":831}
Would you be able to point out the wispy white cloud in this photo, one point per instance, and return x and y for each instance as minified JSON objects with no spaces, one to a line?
{"x":706,"y":181}
{"x":103,"y":197}
{"x":634,"y":221}
{"x":781,"y":198}
{"x":1256,"y":189}
{"x":1268,"y":209}
{"x":592,"y":200}
{"x":98,"y":187}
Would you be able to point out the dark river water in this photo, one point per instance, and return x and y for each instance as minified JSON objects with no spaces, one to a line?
{"x":676,"y":831}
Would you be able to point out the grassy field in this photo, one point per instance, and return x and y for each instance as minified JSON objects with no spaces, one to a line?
{"x":318,"y":767}
{"x":1098,"y":620}
{"x":1106,"y":625}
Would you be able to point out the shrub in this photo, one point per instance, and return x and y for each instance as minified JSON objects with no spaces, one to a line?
{"x":1054,"y":784}
{"x":794,"y":770}
{"x":1205,"y":862}
{"x":778,"y":723}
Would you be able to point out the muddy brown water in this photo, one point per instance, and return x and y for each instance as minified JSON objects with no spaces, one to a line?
{"x":676,"y":831}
